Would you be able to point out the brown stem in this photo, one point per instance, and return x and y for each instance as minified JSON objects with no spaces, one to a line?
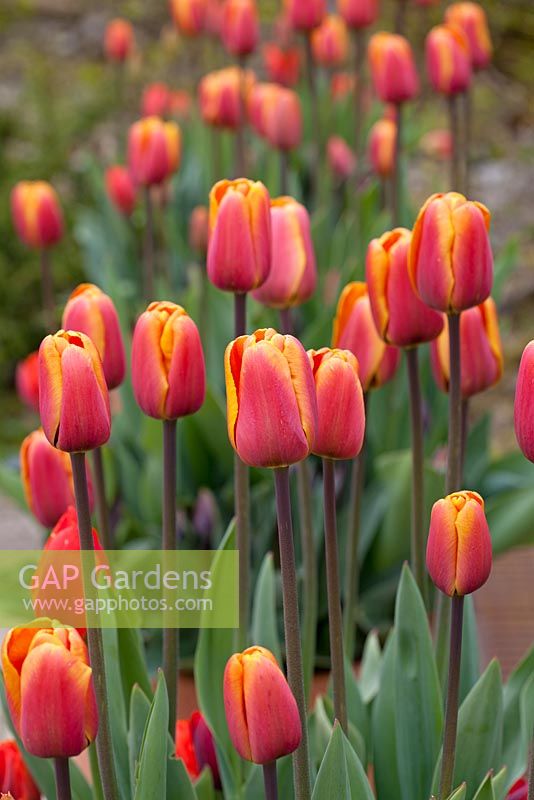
{"x":63,"y":791}
{"x":47,"y":290}
{"x":240,"y":139}
{"x":242,"y":506}
{"x":315,"y":120}
{"x":359,"y":61}
{"x":457,"y":154}
{"x":102,"y":511}
{"x":397,"y":169}
{"x":453,"y":691}
{"x":418,"y":492}
{"x":270,"y":781}
{"x":148,"y":254}
{"x":170,"y":635}
{"x":400,"y":16}
{"x":284,"y":172}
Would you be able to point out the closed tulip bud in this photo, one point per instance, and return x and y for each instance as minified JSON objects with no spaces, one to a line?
{"x":121,"y":189}
{"x":239,"y":250}
{"x":49,"y":690}
{"x":199,"y":230}
{"x":381,"y":148}
{"x":15,"y":776}
{"x":240,"y":27}
{"x":401,"y":318}
{"x":355,"y":330}
{"x":282,"y":119}
{"x":47,"y":479}
{"x":341,"y":158}
{"x":471,"y":18}
{"x":155,"y":100}
{"x":458,"y":555}
{"x":73,"y":395}
{"x":36,"y":214}
{"x":261,"y":712}
{"x":190,"y":16}
{"x":448,"y":61}
{"x":524,"y":403}
{"x":196,"y":748}
{"x":450,"y":261}
{"x":392,"y":68}
{"x":168,"y":373}
{"x":66,"y":534}
{"x":480,"y":349}
{"x":173,"y":138}
{"x":519,"y":791}
{"x":293,"y":274}
{"x":220,"y":99}
{"x":119,"y":40}
{"x":92,"y":312}
{"x":149,"y":156}
{"x":304,"y":15}
{"x":358,"y":13}
{"x":261,"y":95}
{"x":282,"y":65}
{"x":27,"y":381}
{"x":340,"y":406}
{"x":330,"y":42}
{"x":270,"y":397}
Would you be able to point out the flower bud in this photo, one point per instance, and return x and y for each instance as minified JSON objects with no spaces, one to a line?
{"x":121,"y":189}
{"x":239,"y":250}
{"x":437,"y":144}
{"x":153,"y":150}
{"x":293,"y":275}
{"x":282,"y":65}
{"x":219,"y":95}
{"x":392,"y":68}
{"x":282,"y":118}
{"x":190,"y":16}
{"x":450,"y":261}
{"x":155,"y":100}
{"x":471,"y":18}
{"x":519,"y":791}
{"x":458,"y":555}
{"x":92,"y":312}
{"x":199,"y":230}
{"x":73,"y":395}
{"x":240,"y":27}
{"x":358,"y":13}
{"x":168,"y":373}
{"x":303,"y":15}
{"x":401,"y":318}
{"x":381,"y":149}
{"x":47,"y":479}
{"x":261,"y":712}
{"x":196,"y":748}
{"x":524,"y":403}
{"x":341,"y":159}
{"x":270,"y":398}
{"x":330,"y":42}
{"x":66,"y":535}
{"x":15,"y":776}
{"x":119,"y":40}
{"x":36,"y":214}
{"x":448,"y":62}
{"x":340,"y":406}
{"x":355,"y":330}
{"x":27,"y":381}
{"x":49,"y":690}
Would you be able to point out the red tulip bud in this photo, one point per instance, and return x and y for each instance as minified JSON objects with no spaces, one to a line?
{"x":121,"y":189}
{"x":524,"y":403}
{"x":36,"y":214}
{"x":119,"y":40}
{"x":304,"y":15}
{"x":27,"y":381}
{"x":341,"y":158}
{"x":382,"y":139}
{"x":240,"y":26}
{"x":358,"y":13}
{"x":392,"y":68}
{"x":156,"y":100}
{"x":15,"y":776}
{"x":282,"y":65}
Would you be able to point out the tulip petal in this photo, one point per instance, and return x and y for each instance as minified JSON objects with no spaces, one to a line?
{"x":231,"y":255}
{"x":341,"y":411}
{"x":442,"y":546}
{"x":80,"y":430}
{"x":471,"y":256}
{"x":473,"y":562}
{"x":187,"y":373}
{"x":234,"y":704}
{"x":50,"y":387}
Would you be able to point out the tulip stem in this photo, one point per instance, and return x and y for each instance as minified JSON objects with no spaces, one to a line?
{"x":315,"y":120}
{"x":102,"y":512}
{"x":359,"y":60}
{"x":309,"y":595}
{"x":240,"y":153}
{"x":453,"y":690}
{"x":457,"y":183}
{"x":335,"y":622}
{"x":468,"y":124}
{"x":62,"y":779}
{"x":270,"y":781}
{"x":170,"y":635}
{"x":465,"y":434}
{"x":47,"y":289}
{"x":148,"y":254}
{"x":284,"y":172}
{"x":104,"y":746}
{"x":418,"y":492}
{"x":400,"y":16}
{"x":396,"y":188}
{"x":301,"y":767}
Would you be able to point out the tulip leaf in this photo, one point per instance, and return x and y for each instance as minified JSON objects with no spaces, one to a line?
{"x":510,"y":516}
{"x":354,"y":736}
{"x":320,"y":731}
{"x":341,"y":774}
{"x":526,"y":703}
{"x":485,"y":790}
{"x":499,"y":783}
{"x":133,"y":666}
{"x":418,"y":701}
{"x":179,"y":786}
{"x":204,"y":789}
{"x":358,"y":782}
{"x":151,"y":772}
{"x":384,"y":729}
{"x":459,"y":793}
{"x":470,"y":667}
{"x":369,"y":682}
{"x":356,"y":711}
{"x":264,"y":619}
{"x":117,"y":710}
{"x":515,"y":746}
{"x":139,"y":711}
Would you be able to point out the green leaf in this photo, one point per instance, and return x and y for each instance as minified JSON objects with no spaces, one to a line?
{"x":485,"y":790}
{"x":139,"y":711}
{"x":526,"y":705}
{"x":510,"y":519}
{"x":151,"y":773}
{"x":357,"y":713}
{"x":514,"y":745}
{"x":354,"y":736}
{"x":470,"y":668}
{"x":418,"y":701}
{"x":341,"y":774}
{"x":264,"y":625}
{"x":133,"y":667}
{"x":204,"y":789}
{"x":179,"y":786}
{"x":358,"y":782}
{"x":117,"y":710}
{"x":499,"y":783}
{"x":320,"y":730}
{"x":384,"y":730}
{"x":459,"y":793}
{"x":369,"y":682}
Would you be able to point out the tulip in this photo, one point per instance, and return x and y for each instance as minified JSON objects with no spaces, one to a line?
{"x":358,"y":13}
{"x":450,"y":260}
{"x":282,"y":65}
{"x":121,"y":189}
{"x":304,"y":15}
{"x":190,"y":16}
{"x":73,"y":395}
{"x":219,"y":95}
{"x":92,"y":312}
{"x":119,"y":40}
{"x":155,"y":100}
{"x":282,"y":119}
{"x":261,"y":95}
{"x":459,"y":544}
{"x":341,"y":412}
{"x":153,"y":150}
{"x":240,"y":27}
{"x":15,"y":776}
{"x":49,"y":690}
{"x":437,"y":144}
{"x":239,"y":250}
{"x":354,"y":330}
{"x":261,"y":712}
{"x":330,"y":42}
{"x":341,"y":85}
{"x":341,"y":159}
{"x":199,"y":230}
{"x":271,"y":403}
{"x":392,"y":68}
{"x":65,"y":534}
{"x":519,"y":791}
{"x":293,"y":274}
{"x":448,"y":60}
{"x":481,"y":359}
{"x":195,"y":746}
{"x":168,"y":373}
{"x":27,"y":381}
{"x":524,"y":403}
{"x":400,"y":317}
{"x":471,"y":18}
{"x":47,"y":479}
{"x":36,"y":214}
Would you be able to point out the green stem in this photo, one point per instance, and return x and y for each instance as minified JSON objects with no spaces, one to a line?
{"x":63,"y":791}
{"x":240,"y":138}
{"x":170,"y":635}
{"x":418,"y":492}
{"x":457,"y":155}
{"x":102,"y":513}
{"x":47,"y":290}
{"x":315,"y":121}
{"x":467,"y":128}
{"x":310,"y":593}
{"x":242,"y":506}
{"x":96,"y":782}
{"x":148,"y":254}
{"x":284,"y":172}
{"x":400,"y":16}
{"x":396,"y":193}
{"x":301,"y":766}
{"x":465,"y":434}
{"x":531,"y":769}
{"x":335,"y":621}
{"x":359,"y":61}
{"x":270,"y":781}
{"x":104,"y":746}
{"x":453,"y":690}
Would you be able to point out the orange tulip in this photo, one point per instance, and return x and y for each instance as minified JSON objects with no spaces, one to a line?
{"x":190,"y":16}
{"x":119,"y":40}
{"x":219,"y":96}
{"x":448,"y":61}
{"x":153,"y":150}
{"x":240,"y":26}
{"x":471,"y":18}
{"x":392,"y":68}
{"x":282,"y":118}
{"x":330,"y":42}
{"x":36,"y":214}
{"x":381,"y":149}
{"x":121,"y":189}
